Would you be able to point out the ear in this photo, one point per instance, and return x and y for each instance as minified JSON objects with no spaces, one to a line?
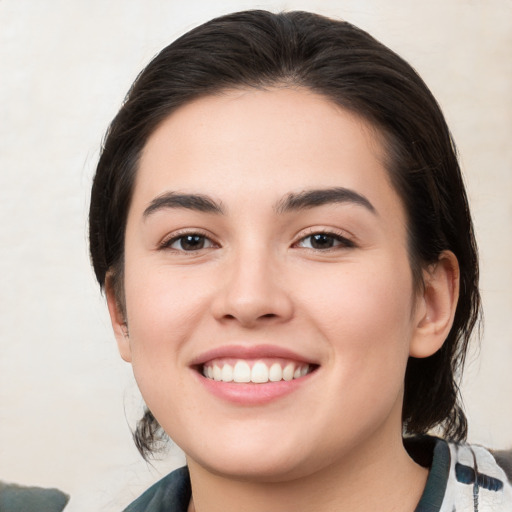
{"x":435,"y":306}
{"x":117,"y":317}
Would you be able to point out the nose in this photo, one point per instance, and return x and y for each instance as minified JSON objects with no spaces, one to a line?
{"x":252,"y":292}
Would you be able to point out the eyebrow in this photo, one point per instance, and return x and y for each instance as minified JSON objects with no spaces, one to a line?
{"x":197,"y":202}
{"x":291,"y":202}
{"x":319,"y":197}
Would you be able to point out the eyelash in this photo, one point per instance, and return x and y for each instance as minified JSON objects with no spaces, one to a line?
{"x":339,"y":241}
{"x":342,"y":242}
{"x":167,"y":243}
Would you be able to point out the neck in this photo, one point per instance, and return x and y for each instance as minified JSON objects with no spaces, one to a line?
{"x":379,"y":476}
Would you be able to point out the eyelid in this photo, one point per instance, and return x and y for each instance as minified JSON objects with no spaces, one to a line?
{"x":169,"y":239}
{"x":347,"y":238}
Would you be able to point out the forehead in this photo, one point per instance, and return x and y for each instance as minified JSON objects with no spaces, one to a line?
{"x":266,"y":142}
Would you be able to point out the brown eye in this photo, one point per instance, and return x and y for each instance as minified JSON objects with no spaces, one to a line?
{"x":188,"y":243}
{"x":324,"y":241}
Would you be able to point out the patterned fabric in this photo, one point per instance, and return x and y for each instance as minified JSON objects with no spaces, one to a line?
{"x":476,"y":483}
{"x":462,"y":478}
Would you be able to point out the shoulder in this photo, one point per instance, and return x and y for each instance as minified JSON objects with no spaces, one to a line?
{"x":504,"y":459}
{"x":462,"y":476}
{"x":498,"y":464}
{"x":170,"y":494}
{"x":478,"y":476}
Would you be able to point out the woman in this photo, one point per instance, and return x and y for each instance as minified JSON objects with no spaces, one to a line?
{"x":280,"y":225}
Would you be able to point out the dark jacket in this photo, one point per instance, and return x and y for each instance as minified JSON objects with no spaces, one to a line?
{"x":17,"y":498}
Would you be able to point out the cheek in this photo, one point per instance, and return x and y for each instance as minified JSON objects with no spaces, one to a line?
{"x":162,"y":314}
{"x":365,"y":314}
{"x":162,"y":310}
{"x":370,"y":332}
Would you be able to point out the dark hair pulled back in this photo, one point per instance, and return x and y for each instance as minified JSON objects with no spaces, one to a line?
{"x":258,"y":49}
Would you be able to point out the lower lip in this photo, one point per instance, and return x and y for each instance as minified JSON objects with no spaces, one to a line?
{"x":250,"y":393}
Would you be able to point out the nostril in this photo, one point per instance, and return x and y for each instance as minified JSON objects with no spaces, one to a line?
{"x":251,"y":321}
{"x":267,"y":315}
{"x":250,"y":308}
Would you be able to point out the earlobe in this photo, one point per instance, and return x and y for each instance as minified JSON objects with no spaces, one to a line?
{"x":436,"y":306}
{"x":117,"y":318}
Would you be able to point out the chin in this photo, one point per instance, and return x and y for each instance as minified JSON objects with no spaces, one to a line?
{"x":254,"y":470}
{"x":273,"y":460}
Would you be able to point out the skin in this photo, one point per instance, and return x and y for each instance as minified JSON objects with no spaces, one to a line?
{"x":351,"y":309}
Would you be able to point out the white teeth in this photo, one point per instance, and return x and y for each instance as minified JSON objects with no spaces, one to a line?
{"x":275,"y":374}
{"x":259,"y":374}
{"x":227,"y":373}
{"x":288,"y":371}
{"x":242,"y":372}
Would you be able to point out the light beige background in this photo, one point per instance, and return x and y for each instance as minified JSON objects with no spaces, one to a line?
{"x":65,"y":395}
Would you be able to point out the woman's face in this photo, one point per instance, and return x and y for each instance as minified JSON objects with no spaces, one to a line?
{"x":264,"y":242}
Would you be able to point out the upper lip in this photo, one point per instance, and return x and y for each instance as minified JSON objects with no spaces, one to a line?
{"x":249,"y":352}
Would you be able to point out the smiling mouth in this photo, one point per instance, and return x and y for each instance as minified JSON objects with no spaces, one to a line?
{"x":255,"y":371}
